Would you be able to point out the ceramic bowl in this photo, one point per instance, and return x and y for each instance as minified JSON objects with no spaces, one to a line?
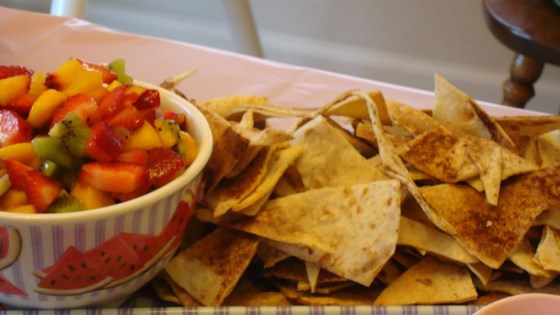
{"x":523,"y":304}
{"x":64,"y":260}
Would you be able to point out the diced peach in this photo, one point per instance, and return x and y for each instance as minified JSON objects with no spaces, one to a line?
{"x":91,"y":198}
{"x":145,"y":138}
{"x":44,"y":107}
{"x":192,"y":149}
{"x":13,"y":198}
{"x":22,"y":152}
{"x":84,"y":82}
{"x":13,"y":87}
{"x":27,"y":208}
{"x":37,"y":84}
{"x":63,"y":75}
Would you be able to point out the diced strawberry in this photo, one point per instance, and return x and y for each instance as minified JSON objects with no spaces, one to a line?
{"x":149,"y":99}
{"x":138,"y":157}
{"x":117,"y":177}
{"x":13,"y":128}
{"x":107,"y":74}
{"x":12,"y":71}
{"x":41,"y":191}
{"x":83,"y":105}
{"x":163,"y":166}
{"x":113,"y":102}
{"x":103,"y":145}
{"x":149,"y":115}
{"x":16,"y":172}
{"x":21,"y":105}
{"x":129,"y":118}
{"x":141,"y":190}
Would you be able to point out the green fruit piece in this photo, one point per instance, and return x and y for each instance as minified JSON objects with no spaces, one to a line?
{"x":73,"y":132}
{"x":5,"y":183}
{"x":118,"y":67}
{"x":53,"y":149}
{"x":181,"y":149}
{"x":49,"y":168}
{"x":66,"y":203}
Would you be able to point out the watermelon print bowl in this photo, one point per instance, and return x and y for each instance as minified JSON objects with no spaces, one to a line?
{"x":100,"y":257}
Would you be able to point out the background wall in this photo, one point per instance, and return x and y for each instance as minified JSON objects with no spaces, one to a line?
{"x":402,"y":42}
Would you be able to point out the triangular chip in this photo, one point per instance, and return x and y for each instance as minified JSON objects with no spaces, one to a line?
{"x":431,"y":281}
{"x":487,"y":232}
{"x":231,"y":191}
{"x":420,"y":236}
{"x":280,"y":160}
{"x":312,"y":275}
{"x":247,"y":294}
{"x":442,"y":155}
{"x":548,"y":251}
{"x":482,"y":272}
{"x":550,"y":218}
{"x":210,"y":269}
{"x":532,"y":126}
{"x":487,"y":156}
{"x":410,"y":118}
{"x":237,"y":105}
{"x":328,"y":159}
{"x":548,"y":146}
{"x":351,"y":296}
{"x":460,"y":113}
{"x":524,"y":258}
{"x":350,"y":231}
{"x":227,"y":149}
{"x":520,"y":287}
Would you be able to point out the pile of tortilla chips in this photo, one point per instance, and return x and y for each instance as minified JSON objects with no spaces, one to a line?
{"x":368,"y":201}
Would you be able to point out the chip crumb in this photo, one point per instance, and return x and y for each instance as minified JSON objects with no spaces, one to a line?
{"x":488,"y":223}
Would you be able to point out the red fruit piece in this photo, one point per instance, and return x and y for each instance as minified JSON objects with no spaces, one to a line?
{"x":21,"y":105}
{"x":40,"y":190}
{"x":149,"y":99}
{"x":117,"y":177}
{"x":113,"y":102}
{"x":163,"y":166}
{"x":103,"y":145}
{"x":83,"y":105}
{"x":129,"y":117}
{"x":16,"y":172}
{"x":179,"y":118}
{"x":107,"y":74}
{"x":12,"y":71}
{"x":13,"y":128}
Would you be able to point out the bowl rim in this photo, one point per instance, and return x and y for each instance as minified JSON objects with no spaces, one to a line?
{"x":201,"y":132}
{"x":515,"y":300}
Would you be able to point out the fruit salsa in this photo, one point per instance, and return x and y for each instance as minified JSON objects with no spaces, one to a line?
{"x":83,"y":137}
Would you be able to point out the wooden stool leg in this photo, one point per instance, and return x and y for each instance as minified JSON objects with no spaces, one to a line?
{"x":524,"y":72}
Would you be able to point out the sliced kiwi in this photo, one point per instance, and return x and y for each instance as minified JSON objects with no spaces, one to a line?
{"x":118,"y":67}
{"x":66,"y":203}
{"x":49,"y":168}
{"x":73,"y":132}
{"x":52,"y":149}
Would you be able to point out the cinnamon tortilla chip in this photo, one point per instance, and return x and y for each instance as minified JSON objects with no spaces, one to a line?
{"x":210,"y":269}
{"x":410,"y":118}
{"x":227,"y":149}
{"x":420,"y":236}
{"x":331,"y":227}
{"x":487,"y":232}
{"x":351,"y":296}
{"x":460,"y":113}
{"x":524,"y":258}
{"x":532,"y":126}
{"x":431,"y":281}
{"x":328,"y":159}
{"x":548,"y":251}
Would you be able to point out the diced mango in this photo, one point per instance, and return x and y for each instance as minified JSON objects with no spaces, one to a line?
{"x":44,"y":107}
{"x":113,"y":85}
{"x":66,"y":73}
{"x":191,"y":148}
{"x":98,"y":94}
{"x":84,"y":82}
{"x":12,"y":88}
{"x":91,"y":198}
{"x":144,"y":138}
{"x":37,"y":84}
{"x":27,"y":208}
{"x":22,"y":152}
{"x":13,"y":198}
{"x":168,"y":132}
